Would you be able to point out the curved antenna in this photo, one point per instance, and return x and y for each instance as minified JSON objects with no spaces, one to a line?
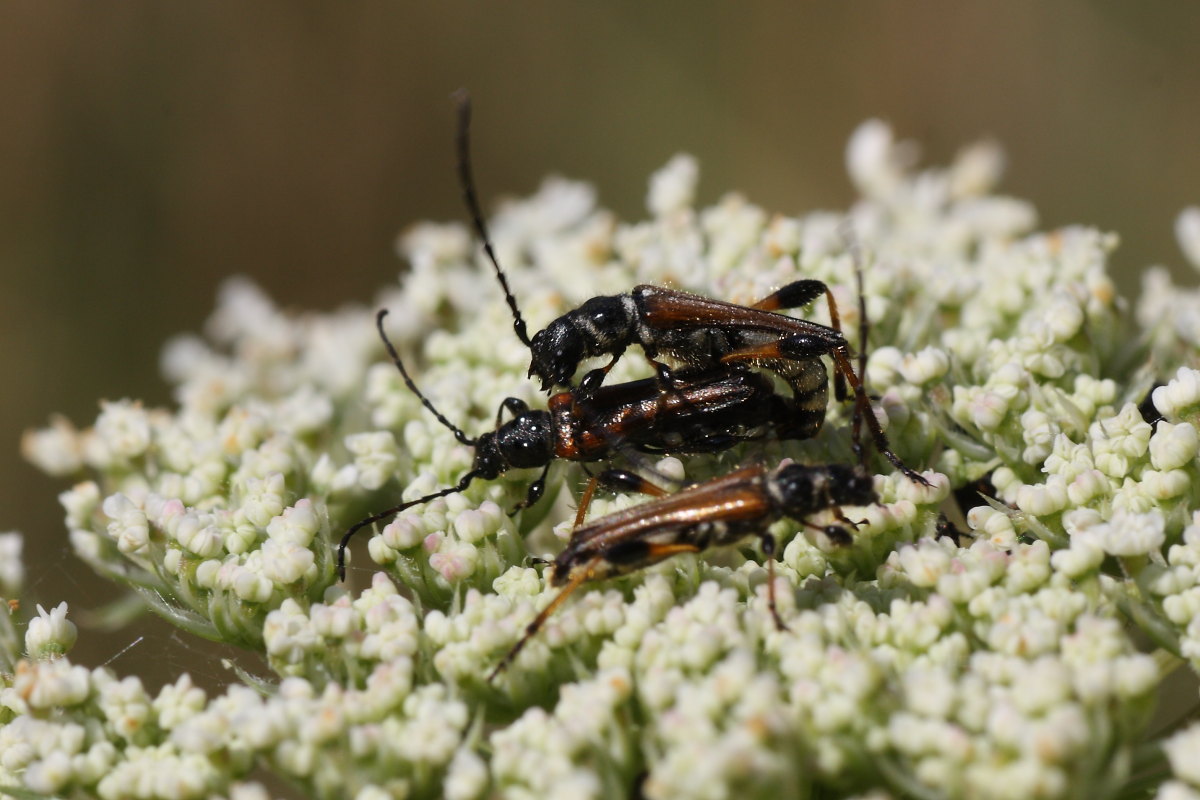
{"x":465,"y":177}
{"x":412,"y":387}
{"x":371,"y":520}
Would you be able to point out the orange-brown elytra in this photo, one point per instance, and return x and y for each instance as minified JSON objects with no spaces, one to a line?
{"x":698,"y":411}
{"x":721,"y":512}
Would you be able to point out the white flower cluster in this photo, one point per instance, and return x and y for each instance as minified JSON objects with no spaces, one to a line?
{"x":1007,"y":652}
{"x":67,"y":728}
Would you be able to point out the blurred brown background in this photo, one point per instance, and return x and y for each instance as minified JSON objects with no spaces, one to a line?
{"x":148,"y":150}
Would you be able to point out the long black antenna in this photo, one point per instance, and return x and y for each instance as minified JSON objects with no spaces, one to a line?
{"x":465,"y":177}
{"x":412,"y":387}
{"x":371,"y":520}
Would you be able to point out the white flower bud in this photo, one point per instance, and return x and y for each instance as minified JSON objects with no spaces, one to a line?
{"x":1096,"y":392}
{"x":884,"y":365}
{"x":910,"y":491}
{"x":123,"y":429}
{"x":335,"y":621}
{"x":206,"y":573}
{"x":1114,"y":465}
{"x":241,"y":430}
{"x":1132,"y":534}
{"x":1086,"y":485}
{"x":467,"y":776}
{"x":56,"y":450}
{"x":376,"y":457}
{"x":50,"y":634}
{"x":1136,"y":675}
{"x":403,"y":532}
{"x":418,"y":440}
{"x":673,"y":188}
{"x":454,"y":561}
{"x":323,"y":474}
{"x":1043,"y":499}
{"x":172,"y":561}
{"x":977,"y":169}
{"x":129,"y":526}
{"x":1064,"y":318}
{"x":670,"y":468}
{"x":298,"y":524}
{"x":285,"y":562}
{"x":1079,"y":559}
{"x":1183,"y":751}
{"x":924,"y":366}
{"x":1173,"y":446}
{"x":200,"y":537}
{"x":250,"y":586}
{"x":875,"y":161}
{"x":378,"y":550}
{"x":263,"y":499}
{"x":784,"y":235}
{"x":51,"y":684}
{"x":1131,"y":497}
{"x":994,"y":525}
{"x":80,"y":501}
{"x":49,"y":775}
{"x":518,"y":581}
{"x":986,"y":409}
{"x":471,"y":525}
{"x":1181,"y":395}
{"x":924,"y":563}
{"x":1165,"y":485}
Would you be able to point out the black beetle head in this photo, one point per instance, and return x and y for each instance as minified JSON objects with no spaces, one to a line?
{"x":489,"y":462}
{"x":557,"y":350}
{"x":805,"y":489}
{"x":851,"y":486}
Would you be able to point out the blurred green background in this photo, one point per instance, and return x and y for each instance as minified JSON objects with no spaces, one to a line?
{"x":148,"y":150}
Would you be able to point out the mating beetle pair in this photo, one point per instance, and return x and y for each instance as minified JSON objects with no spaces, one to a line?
{"x":713,"y":402}
{"x":695,"y":330}
{"x":706,"y":412}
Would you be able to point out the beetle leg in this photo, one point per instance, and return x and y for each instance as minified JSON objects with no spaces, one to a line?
{"x":794,"y":295}
{"x":768,"y":550}
{"x":615,"y":480}
{"x":513,"y":405}
{"x":579,"y":576}
{"x":790,"y":347}
{"x":837,"y":513}
{"x":836,"y":533}
{"x":620,"y":480}
{"x":863,"y":406}
{"x":593,"y":378}
{"x":801,"y":293}
{"x":657,"y":552}
{"x":664,"y":376}
{"x":536,"y":490}
{"x":585,"y":500}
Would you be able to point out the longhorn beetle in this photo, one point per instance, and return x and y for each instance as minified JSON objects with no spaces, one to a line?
{"x":719,"y":512}
{"x":701,"y":412}
{"x":695,"y":330}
